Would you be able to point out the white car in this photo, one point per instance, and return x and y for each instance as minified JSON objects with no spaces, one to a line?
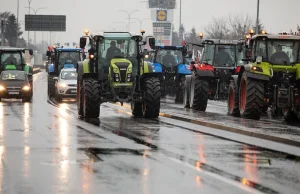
{"x":66,"y":84}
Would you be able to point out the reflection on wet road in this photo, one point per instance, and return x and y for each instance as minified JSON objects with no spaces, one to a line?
{"x":45,"y":148}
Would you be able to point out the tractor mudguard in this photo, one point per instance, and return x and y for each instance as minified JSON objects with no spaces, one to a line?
{"x":257,"y":76}
{"x":86,"y":76}
{"x":184,"y":69}
{"x":79,"y":70}
{"x":157,"y":67}
{"x":235,"y":78}
{"x":205,"y":73}
{"x":147,"y":68}
{"x":297,"y":72}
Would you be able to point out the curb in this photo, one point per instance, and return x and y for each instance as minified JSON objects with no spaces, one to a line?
{"x":235,"y":130}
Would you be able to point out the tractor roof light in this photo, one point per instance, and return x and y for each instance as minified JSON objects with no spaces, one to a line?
{"x":251,"y":32}
{"x":201,"y":35}
{"x":264,"y":32}
{"x":142,"y":32}
{"x":86,"y":32}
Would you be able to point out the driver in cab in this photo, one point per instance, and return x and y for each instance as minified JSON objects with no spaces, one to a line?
{"x":223,"y":57}
{"x":279,"y":57}
{"x":11,"y":60}
{"x":112,"y":51}
{"x":169,"y":59}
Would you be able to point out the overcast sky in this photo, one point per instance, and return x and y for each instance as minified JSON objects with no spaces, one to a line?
{"x":97,"y":15}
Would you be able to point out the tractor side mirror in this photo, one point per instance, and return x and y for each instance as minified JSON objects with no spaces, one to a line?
{"x":55,"y":78}
{"x":152,"y":43}
{"x":82,"y":42}
{"x":48,"y":54}
{"x":30,"y":51}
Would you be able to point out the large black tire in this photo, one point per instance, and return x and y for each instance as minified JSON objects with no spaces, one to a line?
{"x":51,"y":87}
{"x":152,"y":94}
{"x":137,"y":109}
{"x":91,"y":99}
{"x":27,"y":99}
{"x":199,"y":93}
{"x":233,"y":100}
{"x":79,"y":99}
{"x":251,"y":97}
{"x":186,"y":92}
{"x":180,"y":89}
{"x":290,"y":116}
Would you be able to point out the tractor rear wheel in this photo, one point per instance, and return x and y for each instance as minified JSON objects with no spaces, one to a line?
{"x":251,"y":97}
{"x":233,"y":100}
{"x":199,"y":93}
{"x":151,"y":101}
{"x":91,"y":98}
{"x":289,"y":115}
{"x":186,"y":92}
{"x":79,"y":99}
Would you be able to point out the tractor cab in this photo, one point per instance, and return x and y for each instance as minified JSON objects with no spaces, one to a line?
{"x":13,"y":59}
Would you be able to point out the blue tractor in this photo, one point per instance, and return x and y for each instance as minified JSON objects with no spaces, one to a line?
{"x":60,"y":58}
{"x":171,"y":60}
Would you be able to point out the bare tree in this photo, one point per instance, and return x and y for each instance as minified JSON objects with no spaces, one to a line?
{"x":218,"y":28}
{"x":239,"y":25}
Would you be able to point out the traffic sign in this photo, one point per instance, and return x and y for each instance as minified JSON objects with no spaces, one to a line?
{"x":162,"y":4}
{"x":161,"y":15}
{"x":45,"y":23}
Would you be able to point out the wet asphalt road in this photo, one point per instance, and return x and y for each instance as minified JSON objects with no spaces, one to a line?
{"x":45,"y":148}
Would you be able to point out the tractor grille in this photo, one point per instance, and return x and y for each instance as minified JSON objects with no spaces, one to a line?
{"x":123,"y":69}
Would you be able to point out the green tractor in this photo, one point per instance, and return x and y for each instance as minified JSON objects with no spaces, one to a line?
{"x":115,"y":71}
{"x":272,"y":77}
{"x":14,"y":59}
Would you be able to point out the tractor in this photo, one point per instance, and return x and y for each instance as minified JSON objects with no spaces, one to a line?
{"x":174,"y":68}
{"x":13,"y":59}
{"x":210,"y":77}
{"x":271,"y":76}
{"x":115,"y":71}
{"x":59,"y":58}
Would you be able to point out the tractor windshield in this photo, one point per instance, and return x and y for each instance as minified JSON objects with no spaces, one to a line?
{"x":12,"y":58}
{"x":118,"y":48}
{"x":280,"y":52}
{"x":225,"y":55}
{"x":71,"y":57}
{"x":169,"y":57}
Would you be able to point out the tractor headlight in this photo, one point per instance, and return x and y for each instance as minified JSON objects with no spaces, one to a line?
{"x":116,"y":75}
{"x":116,"y":70}
{"x":129,"y":70}
{"x":256,"y":68}
{"x":117,"y":80}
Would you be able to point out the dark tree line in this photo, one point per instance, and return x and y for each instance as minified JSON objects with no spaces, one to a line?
{"x":12,"y":30}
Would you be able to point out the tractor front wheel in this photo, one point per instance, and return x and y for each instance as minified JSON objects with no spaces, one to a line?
{"x":51,"y":87}
{"x":79,"y":99}
{"x":233,"y":100}
{"x":91,"y":99}
{"x":199,"y":93}
{"x":151,"y":101}
{"x":137,"y":109}
{"x":251,"y":97}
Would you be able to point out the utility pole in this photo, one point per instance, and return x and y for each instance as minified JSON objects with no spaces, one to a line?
{"x":2,"y":33}
{"x":29,"y":2}
{"x":18,"y":3}
{"x":180,"y":20}
{"x":257,"y":18}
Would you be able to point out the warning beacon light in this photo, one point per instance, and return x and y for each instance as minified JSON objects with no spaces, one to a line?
{"x":86,"y":32}
{"x":251,"y":32}
{"x":201,"y":35}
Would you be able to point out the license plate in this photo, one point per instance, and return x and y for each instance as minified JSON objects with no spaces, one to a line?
{"x":13,"y":92}
{"x":73,"y":91}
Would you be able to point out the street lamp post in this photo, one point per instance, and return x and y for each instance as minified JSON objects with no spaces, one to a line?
{"x":126,"y":25}
{"x":141,"y":21}
{"x":129,"y":15}
{"x":35,"y":11}
{"x":257,"y":17}
{"x":29,"y":2}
